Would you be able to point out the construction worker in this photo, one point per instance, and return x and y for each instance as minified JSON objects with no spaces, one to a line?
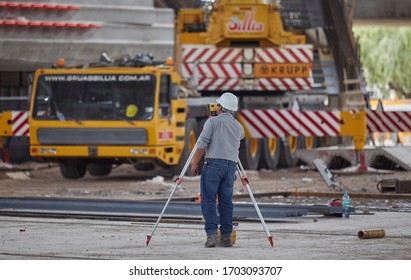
{"x":220,"y":142}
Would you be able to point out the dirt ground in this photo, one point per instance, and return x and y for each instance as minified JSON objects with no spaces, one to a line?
{"x":124,"y":182}
{"x":310,"y":237}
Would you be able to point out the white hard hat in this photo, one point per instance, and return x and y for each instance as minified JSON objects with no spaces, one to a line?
{"x":228,"y":101}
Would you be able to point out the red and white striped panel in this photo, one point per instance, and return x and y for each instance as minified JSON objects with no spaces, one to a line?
{"x":388,"y":121}
{"x":218,"y":84}
{"x":210,"y":54}
{"x":287,"y":54}
{"x":221,"y":68}
{"x":285,"y":84}
{"x":20,"y":123}
{"x":211,"y":70}
{"x":282,"y":123}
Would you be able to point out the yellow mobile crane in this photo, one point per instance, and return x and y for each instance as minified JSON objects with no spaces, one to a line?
{"x":241,"y":46}
{"x":113,"y":112}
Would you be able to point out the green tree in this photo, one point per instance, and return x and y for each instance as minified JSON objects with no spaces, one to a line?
{"x":386,"y":58}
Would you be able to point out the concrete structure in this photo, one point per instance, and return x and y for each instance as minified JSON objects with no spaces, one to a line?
{"x":125,"y":27}
{"x":388,"y":158}
{"x":382,"y":12}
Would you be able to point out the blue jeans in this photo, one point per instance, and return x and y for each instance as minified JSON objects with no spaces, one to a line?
{"x":217,"y":179}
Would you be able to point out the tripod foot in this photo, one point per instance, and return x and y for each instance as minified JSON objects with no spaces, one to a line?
{"x":270,"y":239}
{"x":148,"y":240}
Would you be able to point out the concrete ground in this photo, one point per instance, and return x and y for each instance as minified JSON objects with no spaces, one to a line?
{"x":304,"y":238}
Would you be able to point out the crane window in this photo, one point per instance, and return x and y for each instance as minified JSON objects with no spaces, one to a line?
{"x":94,"y":97}
{"x":165,"y":87}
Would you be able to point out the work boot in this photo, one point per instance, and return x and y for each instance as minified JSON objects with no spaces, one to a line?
{"x":225,"y":241}
{"x":212,"y":240}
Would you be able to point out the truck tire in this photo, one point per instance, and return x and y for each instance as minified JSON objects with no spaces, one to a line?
{"x":270,"y":153}
{"x":307,"y":142}
{"x":201,"y":123}
{"x":250,"y":151}
{"x":73,"y":169}
{"x":17,"y":149}
{"x":144,"y":166}
{"x":287,"y":155}
{"x":99,"y":169}
{"x":190,"y":138}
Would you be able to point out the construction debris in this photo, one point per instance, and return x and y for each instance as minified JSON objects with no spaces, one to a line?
{"x":326,"y":174}
{"x":20,"y":175}
{"x":367,"y":234}
{"x":394,"y":185}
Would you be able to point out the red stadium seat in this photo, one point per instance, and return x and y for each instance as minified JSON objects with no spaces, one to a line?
{"x":28,"y":5}
{"x":34,"y":23}
{"x":53,"y":24}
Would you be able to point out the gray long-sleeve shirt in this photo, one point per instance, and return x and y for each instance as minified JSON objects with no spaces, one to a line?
{"x":221,"y":137}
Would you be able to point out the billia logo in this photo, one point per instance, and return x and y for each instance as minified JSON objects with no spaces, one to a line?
{"x":249,"y":24}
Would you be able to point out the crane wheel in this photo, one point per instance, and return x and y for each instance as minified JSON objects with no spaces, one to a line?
{"x":250,"y":151}
{"x":72,"y":169}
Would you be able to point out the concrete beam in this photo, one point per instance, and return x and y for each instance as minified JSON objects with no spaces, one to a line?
{"x":382,"y":12}
{"x":106,"y":13}
{"x":24,"y":56}
{"x":108,"y":32}
{"x":140,"y":3}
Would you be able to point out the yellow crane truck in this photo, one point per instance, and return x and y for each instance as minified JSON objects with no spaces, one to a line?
{"x":241,"y":46}
{"x":113,"y":112}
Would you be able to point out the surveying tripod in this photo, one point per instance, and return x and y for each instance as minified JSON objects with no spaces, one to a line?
{"x":244,"y":181}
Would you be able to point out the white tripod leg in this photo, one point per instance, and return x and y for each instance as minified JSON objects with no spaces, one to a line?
{"x":178,"y":182}
{"x":245,"y":182}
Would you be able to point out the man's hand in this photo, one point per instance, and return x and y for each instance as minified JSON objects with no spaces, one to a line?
{"x":194,"y":168}
{"x":196,"y":159}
